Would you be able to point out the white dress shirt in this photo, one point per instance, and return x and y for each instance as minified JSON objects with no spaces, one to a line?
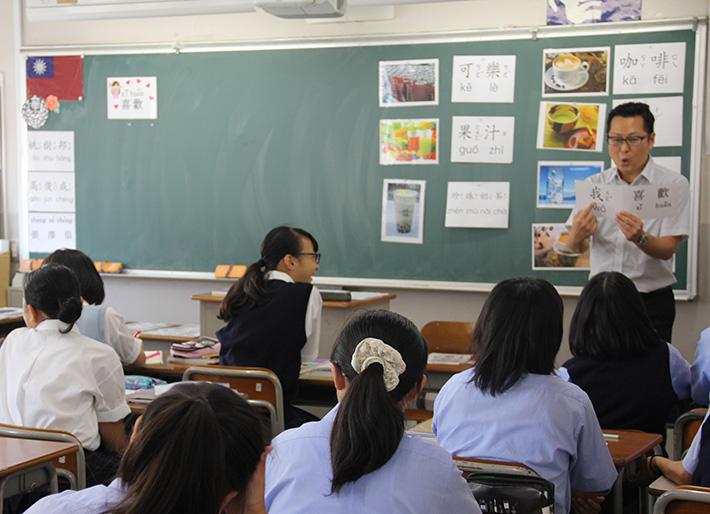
{"x":611,"y":251}
{"x":60,"y":381}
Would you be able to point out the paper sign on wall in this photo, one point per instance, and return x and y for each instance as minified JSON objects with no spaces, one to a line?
{"x":653,"y":201}
{"x":483,"y":79}
{"x":477,"y":204}
{"x":50,"y":150}
{"x":668,"y":114}
{"x":482,"y":139}
{"x":49,"y":231}
{"x":649,"y":68}
{"x":51,"y":191}
{"x":132,"y":98}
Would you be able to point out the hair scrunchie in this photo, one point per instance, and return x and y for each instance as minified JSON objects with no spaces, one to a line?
{"x":371,"y":350}
{"x":261,"y":263}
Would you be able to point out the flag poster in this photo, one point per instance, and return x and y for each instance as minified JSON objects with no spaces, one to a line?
{"x":61,"y":76}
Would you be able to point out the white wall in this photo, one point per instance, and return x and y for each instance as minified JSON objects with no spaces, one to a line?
{"x":168,"y":300}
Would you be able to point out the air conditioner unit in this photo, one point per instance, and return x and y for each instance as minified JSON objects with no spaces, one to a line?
{"x":302,"y":8}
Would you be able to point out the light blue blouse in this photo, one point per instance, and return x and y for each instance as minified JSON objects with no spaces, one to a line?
{"x":690,"y":461}
{"x":420,"y":477}
{"x":87,"y":501}
{"x":700,"y":370}
{"x":542,"y":421}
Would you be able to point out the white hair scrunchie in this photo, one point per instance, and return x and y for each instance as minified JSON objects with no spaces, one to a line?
{"x":371,"y":350}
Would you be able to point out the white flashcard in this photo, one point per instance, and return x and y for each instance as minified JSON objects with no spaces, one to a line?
{"x":646,"y":202}
{"x":649,"y":68}
{"x":483,"y":79}
{"x":477,"y":204}
{"x":49,"y":231}
{"x":51,"y":191}
{"x":50,"y":150}
{"x":482,"y":139}
{"x":668,"y":114}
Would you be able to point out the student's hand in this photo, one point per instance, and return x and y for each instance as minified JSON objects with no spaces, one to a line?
{"x":254,"y":495}
{"x":587,"y":505}
{"x":630,"y":225}
{"x":584,"y":225}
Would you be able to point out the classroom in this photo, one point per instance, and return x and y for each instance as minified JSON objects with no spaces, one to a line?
{"x":163,"y":294}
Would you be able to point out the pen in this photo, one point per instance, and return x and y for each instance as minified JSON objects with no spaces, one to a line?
{"x":155,"y":354}
{"x":137,"y":333}
{"x":610,"y":436}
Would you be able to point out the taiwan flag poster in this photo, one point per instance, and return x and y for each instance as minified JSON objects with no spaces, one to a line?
{"x":61,"y":76}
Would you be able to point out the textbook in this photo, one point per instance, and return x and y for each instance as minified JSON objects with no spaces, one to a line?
{"x":207,"y":359}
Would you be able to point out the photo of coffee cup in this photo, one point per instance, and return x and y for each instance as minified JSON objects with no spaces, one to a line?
{"x":567,"y":68}
{"x":562,"y":117}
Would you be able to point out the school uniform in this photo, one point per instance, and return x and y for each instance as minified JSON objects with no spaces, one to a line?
{"x":542,"y":421}
{"x":697,"y":459}
{"x":700,"y":370}
{"x":636,"y":393}
{"x":104,"y":324}
{"x":60,"y":381}
{"x":278,"y":335}
{"x":93,"y":500}
{"x":420,"y":477}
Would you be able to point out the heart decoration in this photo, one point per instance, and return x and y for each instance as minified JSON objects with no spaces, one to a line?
{"x":128,"y":82}
{"x":115,"y":106}
{"x":148,"y":84}
{"x":138,"y":80}
{"x":152,"y":97}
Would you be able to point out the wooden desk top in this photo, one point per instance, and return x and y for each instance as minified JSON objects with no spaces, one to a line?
{"x":17,"y":454}
{"x":631,"y":445}
{"x":359,"y":299}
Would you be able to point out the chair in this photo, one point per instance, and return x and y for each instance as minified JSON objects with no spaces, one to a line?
{"x":501,"y":486}
{"x":260,"y":386}
{"x":686,"y":499}
{"x":684,"y":430}
{"x":72,"y":468}
{"x":448,"y":336}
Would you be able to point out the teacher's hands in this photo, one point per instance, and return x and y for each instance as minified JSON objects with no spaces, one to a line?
{"x":584,"y":225}
{"x":630,"y":225}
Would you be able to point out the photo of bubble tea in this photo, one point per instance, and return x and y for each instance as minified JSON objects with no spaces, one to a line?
{"x":405,"y":201}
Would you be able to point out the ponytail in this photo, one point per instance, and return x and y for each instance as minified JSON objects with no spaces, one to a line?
{"x":253,"y":288}
{"x":369,"y":424}
{"x":54,"y":290}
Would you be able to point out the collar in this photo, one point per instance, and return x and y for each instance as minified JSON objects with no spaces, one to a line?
{"x":54,"y":324}
{"x":647,"y":175}
{"x":279,"y":275}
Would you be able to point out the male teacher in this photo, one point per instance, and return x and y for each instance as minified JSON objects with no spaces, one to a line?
{"x":640,"y":249}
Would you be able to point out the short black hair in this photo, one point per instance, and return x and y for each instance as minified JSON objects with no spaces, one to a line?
{"x":518,"y":331}
{"x":92,"y":286}
{"x":630,"y":110}
{"x":610,"y":320}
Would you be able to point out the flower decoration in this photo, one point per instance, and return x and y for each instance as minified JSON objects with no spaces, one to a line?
{"x":52,"y":103}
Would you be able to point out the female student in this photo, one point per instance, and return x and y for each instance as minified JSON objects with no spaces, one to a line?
{"x":511,"y":407}
{"x":632,"y":377}
{"x":273,"y":313}
{"x":357,"y":459}
{"x":98,"y":321}
{"x":53,"y":377}
{"x":199,"y":448}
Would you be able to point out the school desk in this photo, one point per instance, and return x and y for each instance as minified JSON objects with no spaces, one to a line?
{"x":27,"y":463}
{"x":10,"y":320}
{"x":626,"y":447}
{"x":334,"y":317}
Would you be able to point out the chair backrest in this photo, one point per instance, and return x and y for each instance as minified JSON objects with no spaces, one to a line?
{"x":72,"y":467}
{"x":686,"y":499}
{"x":684,"y":430}
{"x":448,"y":336}
{"x":260,"y":386}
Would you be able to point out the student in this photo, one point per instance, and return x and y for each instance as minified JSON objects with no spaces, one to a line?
{"x":700,"y":370}
{"x":357,"y":458}
{"x":694,"y":468}
{"x":273,"y":313}
{"x":53,"y":377}
{"x":632,"y":377}
{"x":511,"y":407}
{"x":98,"y":321}
{"x":199,"y":448}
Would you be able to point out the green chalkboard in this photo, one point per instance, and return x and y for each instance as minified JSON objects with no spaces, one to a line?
{"x":249,"y":139}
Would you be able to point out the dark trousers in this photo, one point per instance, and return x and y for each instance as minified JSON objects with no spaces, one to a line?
{"x":101,"y":466}
{"x":660,"y":307}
